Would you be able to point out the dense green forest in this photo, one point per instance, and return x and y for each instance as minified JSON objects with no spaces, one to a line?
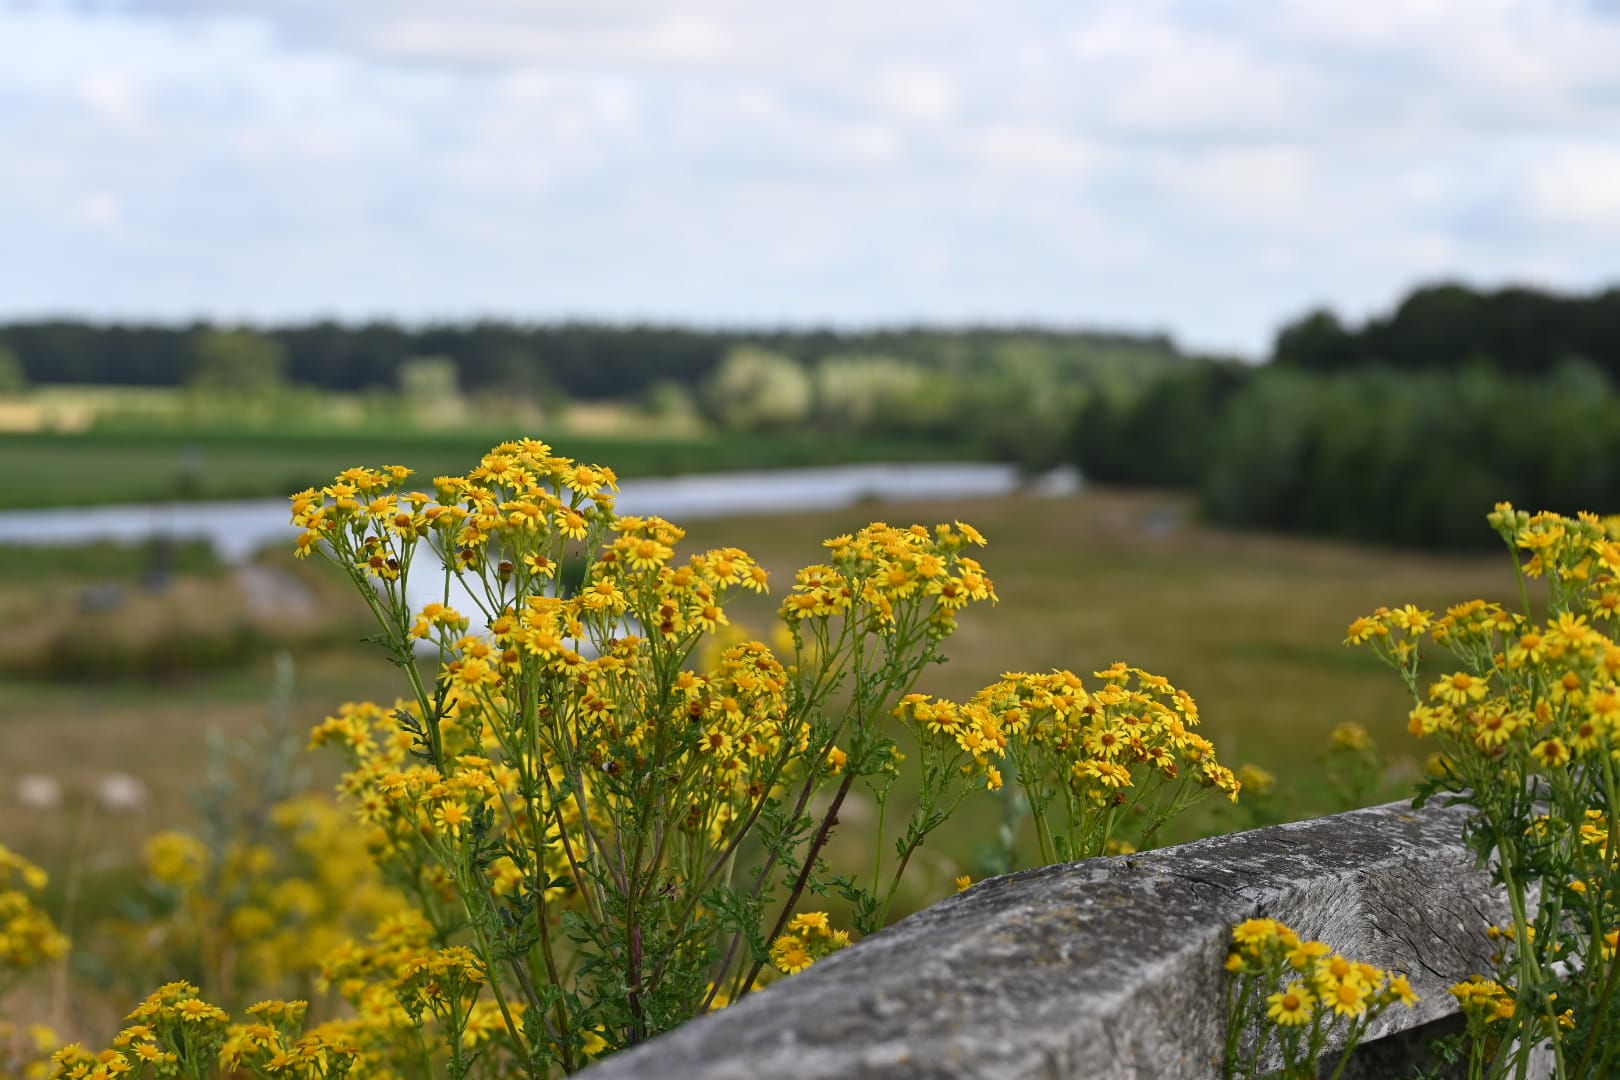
{"x":1405,"y":430}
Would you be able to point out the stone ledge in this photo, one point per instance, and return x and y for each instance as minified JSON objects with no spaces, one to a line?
{"x":1106,"y":968}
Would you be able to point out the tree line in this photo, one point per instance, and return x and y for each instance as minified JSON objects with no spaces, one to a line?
{"x":1403,"y":431}
{"x":586,"y":361}
{"x":1442,"y":327}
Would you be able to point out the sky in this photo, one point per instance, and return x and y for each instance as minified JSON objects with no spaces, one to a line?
{"x":1205,"y":168}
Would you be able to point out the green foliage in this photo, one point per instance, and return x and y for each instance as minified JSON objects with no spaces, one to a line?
{"x":1447,"y":327}
{"x":755,"y":390}
{"x":1380,"y":456}
{"x":1163,"y":435}
{"x":1409,"y":459}
{"x":13,"y":379}
{"x":582,"y":360}
{"x":866,"y":392}
{"x":670,"y":402}
{"x":429,"y":380}
{"x":237,"y":361}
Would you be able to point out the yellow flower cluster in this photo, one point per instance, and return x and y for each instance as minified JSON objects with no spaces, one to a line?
{"x":1483,"y":1000}
{"x":1306,"y":988}
{"x":884,"y":569}
{"x":175,"y":1031}
{"x":1321,"y":982}
{"x":810,"y":936}
{"x":520,"y":514}
{"x":1136,"y":723}
{"x":445,"y":982}
{"x":397,"y":982}
{"x":1528,"y":721}
{"x":272,"y":1046}
{"x":172,"y":1029}
{"x":521,"y":501}
{"x":1105,"y":747}
{"x":260,"y":913}
{"x":599,"y":754}
{"x":1548,"y":691}
{"x":1581,"y":552}
{"x":25,"y":1052}
{"x":28,"y":938}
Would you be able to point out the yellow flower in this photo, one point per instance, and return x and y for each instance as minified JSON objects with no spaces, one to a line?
{"x":1109,"y":773}
{"x":452,"y":817}
{"x":1363,"y":629}
{"x":789,"y":954}
{"x":1552,"y":753}
{"x":1347,"y":997}
{"x":1351,"y":736}
{"x":1305,"y":953}
{"x":1400,"y":989}
{"x":1292,"y":1007}
{"x":1412,"y":619}
{"x":1458,"y":689}
{"x":1493,"y":728}
{"x":1256,"y":780}
{"x":813,"y":921}
{"x":1254,"y":934}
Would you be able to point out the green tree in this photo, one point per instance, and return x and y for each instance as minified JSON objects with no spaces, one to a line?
{"x":426,"y":381}
{"x":754,"y":390}
{"x":864,"y":393}
{"x":13,"y":379}
{"x":670,"y":403}
{"x":240,"y":361}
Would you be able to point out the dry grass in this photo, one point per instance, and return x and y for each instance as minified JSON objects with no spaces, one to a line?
{"x":78,"y":735}
{"x":1252,"y":625}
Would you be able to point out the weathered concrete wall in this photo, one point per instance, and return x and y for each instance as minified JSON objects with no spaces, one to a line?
{"x":1109,"y":967}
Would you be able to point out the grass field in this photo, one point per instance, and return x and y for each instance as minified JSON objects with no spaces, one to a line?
{"x":43,"y":470}
{"x":1251,"y":625}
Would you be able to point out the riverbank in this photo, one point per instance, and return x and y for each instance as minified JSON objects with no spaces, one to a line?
{"x":113,"y":467}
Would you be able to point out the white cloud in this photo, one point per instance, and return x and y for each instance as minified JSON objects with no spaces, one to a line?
{"x":1578,"y":186}
{"x":100,"y":210}
{"x":1209,"y":167}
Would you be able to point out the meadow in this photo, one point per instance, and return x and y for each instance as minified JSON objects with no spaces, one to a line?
{"x":1251,"y":624}
{"x":156,"y":465}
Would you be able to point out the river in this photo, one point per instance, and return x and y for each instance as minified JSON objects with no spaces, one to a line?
{"x":239,"y":528}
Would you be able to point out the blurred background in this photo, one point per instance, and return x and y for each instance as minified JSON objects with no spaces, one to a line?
{"x":1225,"y":322}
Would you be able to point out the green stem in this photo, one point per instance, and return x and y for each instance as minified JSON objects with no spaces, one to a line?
{"x":822,"y":836}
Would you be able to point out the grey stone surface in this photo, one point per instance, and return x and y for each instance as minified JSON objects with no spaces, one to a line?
{"x":1107,"y":968}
